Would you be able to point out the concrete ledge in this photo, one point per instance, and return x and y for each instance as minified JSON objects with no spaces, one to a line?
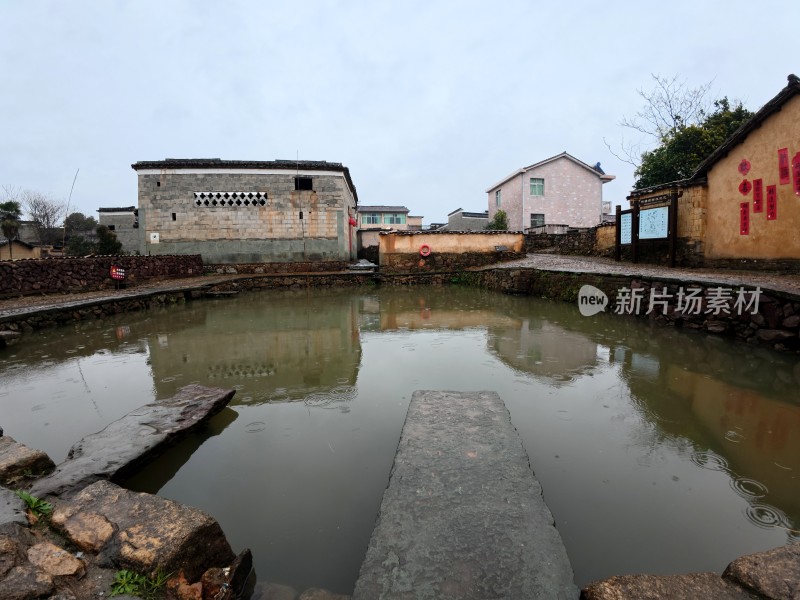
{"x":463,"y":516}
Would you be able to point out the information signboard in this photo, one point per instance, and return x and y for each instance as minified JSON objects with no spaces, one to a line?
{"x":654,"y":223}
{"x":625,"y":228}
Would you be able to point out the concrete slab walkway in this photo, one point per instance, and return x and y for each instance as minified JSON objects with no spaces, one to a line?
{"x":463,"y":516}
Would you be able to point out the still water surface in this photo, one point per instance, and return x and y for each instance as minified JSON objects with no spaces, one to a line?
{"x":658,"y":451}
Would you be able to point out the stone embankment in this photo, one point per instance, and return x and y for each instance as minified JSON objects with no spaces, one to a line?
{"x":72,"y":547}
{"x":72,"y":275}
{"x":770,"y":575}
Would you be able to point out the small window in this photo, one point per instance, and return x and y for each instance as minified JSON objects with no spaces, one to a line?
{"x":537,"y":186}
{"x":497,"y":199}
{"x":111,"y":227}
{"x":537,"y":220}
{"x":302,"y":183}
{"x":174,"y":217}
{"x":158,"y":184}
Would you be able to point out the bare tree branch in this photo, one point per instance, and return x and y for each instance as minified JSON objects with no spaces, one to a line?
{"x":46,"y":213}
{"x":669,"y":107}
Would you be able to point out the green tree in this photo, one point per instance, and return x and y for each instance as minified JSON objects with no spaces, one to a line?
{"x":499,"y":221}
{"x":684,"y":147}
{"x":77,"y":223}
{"x":79,"y":246}
{"x":10,"y":212}
{"x":107,"y":242}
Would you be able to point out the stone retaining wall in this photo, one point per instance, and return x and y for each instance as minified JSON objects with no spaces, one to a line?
{"x":267,"y":268}
{"x":581,"y":242}
{"x":443,"y":261}
{"x":70,"y":275}
{"x":775,"y":322}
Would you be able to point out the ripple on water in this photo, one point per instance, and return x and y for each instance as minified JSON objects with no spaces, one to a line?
{"x":734,"y":436}
{"x":336,"y":395}
{"x":748,"y":488}
{"x":766,"y":516}
{"x":709,"y":460}
{"x":255,"y":427}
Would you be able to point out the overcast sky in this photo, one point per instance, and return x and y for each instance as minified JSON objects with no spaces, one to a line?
{"x":428,"y":103}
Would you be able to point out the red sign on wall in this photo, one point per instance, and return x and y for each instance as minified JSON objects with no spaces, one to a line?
{"x":772,"y":202}
{"x":758,"y":196}
{"x":745,"y":187}
{"x":744,"y":218}
{"x":796,"y":173}
{"x":783,"y":165}
{"x":744,"y":166}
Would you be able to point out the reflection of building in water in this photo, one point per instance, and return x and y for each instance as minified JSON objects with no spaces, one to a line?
{"x":755,"y":436}
{"x":544,"y":350}
{"x":418,"y":310}
{"x":277,"y":347}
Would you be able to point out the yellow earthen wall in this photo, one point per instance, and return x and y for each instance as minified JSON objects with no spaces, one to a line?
{"x":606,"y":237}
{"x":768,"y":239}
{"x":451,"y":243}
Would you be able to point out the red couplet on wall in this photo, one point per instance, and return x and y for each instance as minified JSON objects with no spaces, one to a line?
{"x":758,"y":196}
{"x":796,"y":173}
{"x":744,"y":218}
{"x":783,"y":166}
{"x":745,"y":187}
{"x":772,"y":202}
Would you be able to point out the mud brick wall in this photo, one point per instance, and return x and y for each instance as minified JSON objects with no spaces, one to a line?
{"x":69,"y":275}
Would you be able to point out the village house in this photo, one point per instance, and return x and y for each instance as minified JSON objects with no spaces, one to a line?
{"x":462,"y":220}
{"x":123,"y":221}
{"x":387,"y":217}
{"x":743,"y":201}
{"x":233,"y":211}
{"x":18,"y":250}
{"x":560,"y":190}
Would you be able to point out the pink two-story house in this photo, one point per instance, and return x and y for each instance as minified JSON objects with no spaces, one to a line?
{"x":560,"y":190}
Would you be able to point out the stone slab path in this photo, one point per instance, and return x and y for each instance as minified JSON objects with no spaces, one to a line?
{"x":463,"y":516}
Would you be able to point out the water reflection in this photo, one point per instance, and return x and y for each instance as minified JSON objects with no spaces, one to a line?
{"x":683,"y":447}
{"x":271,"y":347}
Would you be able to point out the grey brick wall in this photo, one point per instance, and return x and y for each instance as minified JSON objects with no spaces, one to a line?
{"x":275,"y":232}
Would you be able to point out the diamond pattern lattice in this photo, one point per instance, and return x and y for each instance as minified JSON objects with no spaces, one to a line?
{"x":232,"y":199}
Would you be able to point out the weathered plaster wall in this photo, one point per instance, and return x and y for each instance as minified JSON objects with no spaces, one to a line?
{"x":400,"y":253}
{"x":767,"y":239}
{"x":275,"y":232}
{"x":391,"y":243}
{"x":605,"y":239}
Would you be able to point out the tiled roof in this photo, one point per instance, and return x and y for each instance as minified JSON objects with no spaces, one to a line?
{"x":737,"y":137}
{"x":391,"y":209}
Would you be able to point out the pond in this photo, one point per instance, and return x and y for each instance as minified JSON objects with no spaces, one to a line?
{"x":658,"y":450}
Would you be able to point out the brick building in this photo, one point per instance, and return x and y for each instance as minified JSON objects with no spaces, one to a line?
{"x":232,"y":211}
{"x":560,"y":190}
{"x":123,"y":221}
